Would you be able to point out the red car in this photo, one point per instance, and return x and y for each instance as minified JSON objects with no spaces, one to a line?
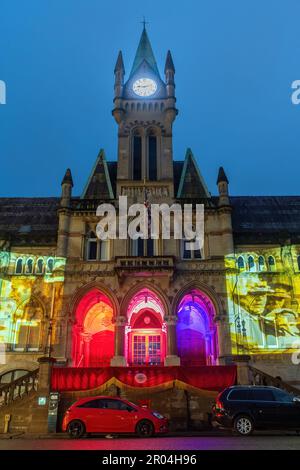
{"x":111,"y":415}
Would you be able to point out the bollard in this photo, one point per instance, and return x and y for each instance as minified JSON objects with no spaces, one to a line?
{"x":6,"y":423}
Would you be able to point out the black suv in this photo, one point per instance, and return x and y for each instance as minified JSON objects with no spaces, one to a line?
{"x":245,"y":408}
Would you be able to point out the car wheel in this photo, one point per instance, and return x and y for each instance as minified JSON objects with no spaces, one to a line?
{"x":243,"y":425}
{"x":76,"y":429}
{"x":145,"y":428}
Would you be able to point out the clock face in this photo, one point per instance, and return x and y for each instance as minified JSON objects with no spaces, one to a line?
{"x":144,"y":87}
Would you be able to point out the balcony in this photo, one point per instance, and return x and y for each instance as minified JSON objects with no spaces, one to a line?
{"x":144,"y":266}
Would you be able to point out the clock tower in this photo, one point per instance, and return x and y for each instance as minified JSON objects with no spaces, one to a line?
{"x":144,"y":109}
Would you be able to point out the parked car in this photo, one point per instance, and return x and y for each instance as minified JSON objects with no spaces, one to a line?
{"x":112,"y":415}
{"x":246,"y":408}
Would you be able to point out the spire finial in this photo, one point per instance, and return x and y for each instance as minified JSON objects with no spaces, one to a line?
{"x":144,"y":22}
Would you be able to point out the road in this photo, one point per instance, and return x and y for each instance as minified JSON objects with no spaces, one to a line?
{"x":257,"y":442}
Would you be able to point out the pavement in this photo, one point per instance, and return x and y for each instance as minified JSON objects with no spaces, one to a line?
{"x":174,"y":443}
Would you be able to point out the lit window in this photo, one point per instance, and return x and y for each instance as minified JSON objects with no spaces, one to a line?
{"x":50,"y":265}
{"x":251,"y":264}
{"x":29,"y":266}
{"x":261,"y":263}
{"x":241,"y":262}
{"x":40,"y":266}
{"x":271,"y":263}
{"x":19,"y":266}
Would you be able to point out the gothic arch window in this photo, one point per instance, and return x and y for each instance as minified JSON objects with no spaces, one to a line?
{"x":39,"y":266}
{"x":261,"y":263}
{"x":138,"y":108}
{"x":137,"y":155}
{"x":19,"y":266}
{"x":162,"y":107}
{"x":241,"y":262}
{"x":271,"y":263}
{"x":156,"y":107}
{"x":152,"y":154}
{"x":132,"y":106}
{"x":150,"y":106}
{"x":126,"y":107}
{"x":50,"y":265}
{"x":144,"y":107}
{"x":298,"y":262}
{"x":251,"y":264}
{"x":29,"y":266}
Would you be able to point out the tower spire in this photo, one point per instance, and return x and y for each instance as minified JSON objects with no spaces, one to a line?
{"x":144,"y":53}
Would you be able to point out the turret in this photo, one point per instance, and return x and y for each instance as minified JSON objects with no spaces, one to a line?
{"x":222,"y":183}
{"x":169,"y":74}
{"x":66,"y":189}
{"x":119,"y":72}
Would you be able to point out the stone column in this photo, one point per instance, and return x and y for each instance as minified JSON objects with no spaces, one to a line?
{"x":119,"y":359}
{"x":223,"y":339}
{"x":86,"y":349}
{"x":39,"y":420}
{"x":172,"y":358}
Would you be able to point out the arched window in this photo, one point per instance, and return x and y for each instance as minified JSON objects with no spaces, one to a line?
{"x":261,"y":263}
{"x":251,"y":264}
{"x":137,"y":156}
{"x":241,"y":262}
{"x":152,"y":156}
{"x":298,"y":262}
{"x":29,"y":266}
{"x":40,"y":266}
{"x":271,"y":263}
{"x":50,"y":265}
{"x":19,"y":266}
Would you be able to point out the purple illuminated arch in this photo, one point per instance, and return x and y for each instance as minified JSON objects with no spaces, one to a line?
{"x":196,"y":331}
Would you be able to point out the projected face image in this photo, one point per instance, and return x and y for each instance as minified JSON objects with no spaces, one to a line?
{"x":264,"y":311}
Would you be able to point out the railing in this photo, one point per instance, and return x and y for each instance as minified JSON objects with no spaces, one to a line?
{"x":18,"y":388}
{"x":262,"y":378}
{"x":154,"y":262}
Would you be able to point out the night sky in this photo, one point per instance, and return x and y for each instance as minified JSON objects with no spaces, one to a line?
{"x":235,"y":62}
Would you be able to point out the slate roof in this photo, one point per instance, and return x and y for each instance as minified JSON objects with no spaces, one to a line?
{"x":29,"y":221}
{"x":265,"y":219}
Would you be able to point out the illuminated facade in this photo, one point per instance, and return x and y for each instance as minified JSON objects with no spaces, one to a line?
{"x":149,"y":303}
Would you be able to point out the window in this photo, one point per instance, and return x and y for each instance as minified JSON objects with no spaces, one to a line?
{"x":261,"y":263}
{"x":96,"y":249}
{"x":143,"y":247}
{"x":27,"y":335}
{"x":91,"y":404}
{"x":29,"y":266}
{"x":137,"y":157}
{"x":188,"y":253}
{"x":262,"y":395}
{"x":152,"y":157}
{"x":271,"y":263}
{"x":251,"y":264}
{"x":19,"y":266}
{"x":239,"y":395}
{"x":241,"y":262}
{"x":50,"y":265}
{"x":282,"y":396}
{"x":40,"y":266}
{"x":298,"y":262}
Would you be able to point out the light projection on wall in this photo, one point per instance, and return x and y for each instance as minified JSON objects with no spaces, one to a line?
{"x":30,"y":292}
{"x":93,"y":333}
{"x":263,"y":297}
{"x":196,"y":332}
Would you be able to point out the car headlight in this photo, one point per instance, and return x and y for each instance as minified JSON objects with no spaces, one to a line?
{"x":157,"y":415}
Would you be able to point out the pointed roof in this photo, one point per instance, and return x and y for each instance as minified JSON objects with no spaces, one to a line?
{"x":169,"y":62}
{"x":144,"y":53}
{"x":99,"y":185}
{"x":222,"y":176}
{"x":192,"y":184}
{"x":119,"y":64}
{"x":68,"y":177}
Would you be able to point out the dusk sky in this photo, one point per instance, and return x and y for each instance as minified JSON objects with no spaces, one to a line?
{"x":235,"y":62}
